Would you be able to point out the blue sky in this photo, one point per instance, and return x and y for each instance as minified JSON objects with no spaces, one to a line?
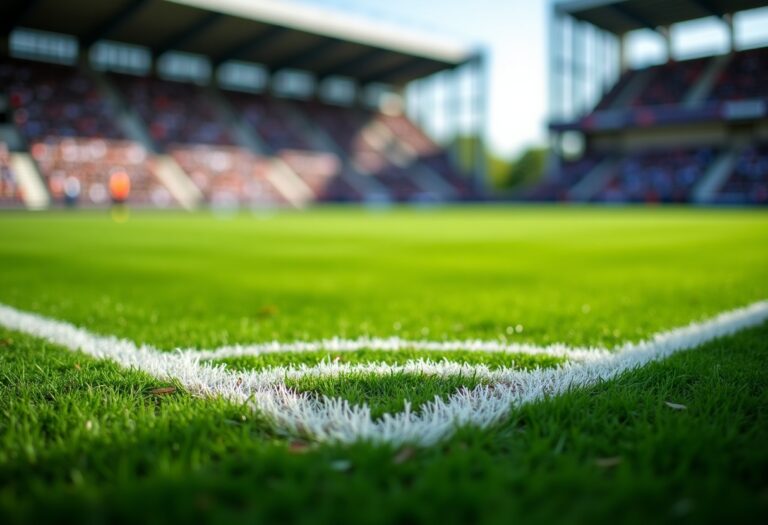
{"x":514,"y":31}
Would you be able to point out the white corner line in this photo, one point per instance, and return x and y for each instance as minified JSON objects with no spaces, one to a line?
{"x":390,"y":344}
{"x":335,"y":420}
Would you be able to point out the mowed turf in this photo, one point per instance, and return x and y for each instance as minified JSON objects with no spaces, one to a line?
{"x":80,"y":438}
{"x":538,"y":275}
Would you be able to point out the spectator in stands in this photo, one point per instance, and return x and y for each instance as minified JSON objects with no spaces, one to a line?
{"x":71,"y":190}
{"x":119,"y":186}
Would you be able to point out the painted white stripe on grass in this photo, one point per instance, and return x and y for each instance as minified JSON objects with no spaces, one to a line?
{"x":391,"y":344}
{"x":335,"y":420}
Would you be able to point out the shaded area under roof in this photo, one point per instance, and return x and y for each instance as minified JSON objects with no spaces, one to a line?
{"x":622,"y":16}
{"x":276,"y":34}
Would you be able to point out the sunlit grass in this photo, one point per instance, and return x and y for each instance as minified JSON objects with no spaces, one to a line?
{"x":82,"y":440}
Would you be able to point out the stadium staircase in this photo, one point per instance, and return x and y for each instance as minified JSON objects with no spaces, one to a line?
{"x":400,"y":154}
{"x":289,"y":184}
{"x":128,"y":121}
{"x":701,"y":89}
{"x":717,"y":175}
{"x":33,"y":190}
{"x":244,"y":134}
{"x":594,"y":181}
{"x":632,"y":90}
{"x":178,"y":183}
{"x":371,"y":189}
{"x":165,"y":167}
{"x":284,"y":179}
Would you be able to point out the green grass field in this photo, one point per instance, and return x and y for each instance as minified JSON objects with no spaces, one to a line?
{"x":83,"y":440}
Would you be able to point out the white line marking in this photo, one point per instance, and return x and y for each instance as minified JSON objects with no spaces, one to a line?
{"x":391,"y":344}
{"x":335,"y":420}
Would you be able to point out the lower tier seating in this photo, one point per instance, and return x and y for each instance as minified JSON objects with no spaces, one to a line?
{"x":228,"y":175}
{"x":81,"y":170}
{"x":10,"y":192}
{"x":748,"y":183}
{"x":658,"y":176}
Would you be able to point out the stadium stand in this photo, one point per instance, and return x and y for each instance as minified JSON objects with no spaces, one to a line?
{"x":427,"y":151}
{"x":682,"y":131}
{"x":56,"y":101}
{"x":670,"y":83}
{"x":346,"y":127}
{"x":85,"y":112}
{"x":661,"y":176}
{"x":229,"y":176}
{"x":284,"y":138}
{"x":92,"y":161}
{"x":570,"y":174}
{"x":182,"y":121}
{"x":10,"y":193}
{"x":747,"y":182}
{"x":72,"y":133}
{"x":174,"y":112}
{"x":746,"y":77}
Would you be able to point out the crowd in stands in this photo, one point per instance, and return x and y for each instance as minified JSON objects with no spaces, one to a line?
{"x":611,"y":97}
{"x":557,"y":186}
{"x":182,"y":120}
{"x":10,"y":193}
{"x":174,"y":112}
{"x":87,"y":171}
{"x":670,"y":83}
{"x":321,"y":171}
{"x":55,"y":101}
{"x":73,"y":136}
{"x":427,"y":151}
{"x":228,"y":176}
{"x":667,"y":175}
{"x":77,"y":139}
{"x":271,"y":119}
{"x":749,"y":181}
{"x":347,"y":127}
{"x":746,"y":77}
{"x":670,"y":175}
{"x":275,"y":122}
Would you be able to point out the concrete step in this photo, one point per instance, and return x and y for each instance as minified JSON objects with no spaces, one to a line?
{"x":594,"y":181}
{"x":633,"y":88}
{"x":701,"y":90}
{"x":244,"y":134}
{"x":380,"y":137}
{"x":127,"y":119}
{"x":367,"y":186}
{"x":707,"y":188}
{"x":32,"y":186}
{"x":178,"y":183}
{"x":289,"y":184}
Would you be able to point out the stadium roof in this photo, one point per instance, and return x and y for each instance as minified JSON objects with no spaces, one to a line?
{"x":278,"y":34}
{"x":622,"y":16}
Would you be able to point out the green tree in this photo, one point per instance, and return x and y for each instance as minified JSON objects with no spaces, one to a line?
{"x":528,"y":168}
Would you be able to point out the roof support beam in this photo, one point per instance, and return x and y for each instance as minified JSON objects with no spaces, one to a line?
{"x":706,"y":5}
{"x":353,"y":65}
{"x":414,"y":64}
{"x":263,"y":39}
{"x":306,"y":57}
{"x":188,"y":34}
{"x":114,"y":22}
{"x":633,"y":16}
{"x":15,"y":18}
